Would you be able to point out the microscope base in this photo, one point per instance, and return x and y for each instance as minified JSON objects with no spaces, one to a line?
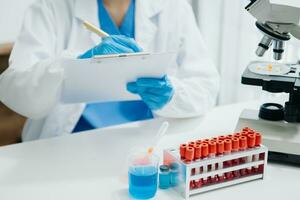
{"x":281,"y":138}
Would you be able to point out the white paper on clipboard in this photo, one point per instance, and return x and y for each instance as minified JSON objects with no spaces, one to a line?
{"x":104,"y":78}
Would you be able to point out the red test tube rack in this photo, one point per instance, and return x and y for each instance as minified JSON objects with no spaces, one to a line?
{"x":219,"y":162}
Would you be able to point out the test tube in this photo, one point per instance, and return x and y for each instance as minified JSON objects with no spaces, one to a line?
{"x":220,"y":151}
{"x":164,"y":177}
{"x":197,"y":156}
{"x":243,"y":147}
{"x":245,"y":133}
{"x":258,"y":141}
{"x":212,"y":154}
{"x":227,"y":151}
{"x":205,"y":152}
{"x":174,"y":174}
{"x":237,"y":135}
{"x":246,"y":129}
{"x":198,"y":152}
{"x":189,"y":156}
{"x":198,"y":142}
{"x":206,"y":141}
{"x":191,"y":153}
{"x":230,"y":136}
{"x":191,"y":144}
{"x":251,"y":144}
{"x":192,"y":185}
{"x":222,"y":137}
{"x":235,"y":148}
{"x":182,"y":151}
{"x":228,"y":163}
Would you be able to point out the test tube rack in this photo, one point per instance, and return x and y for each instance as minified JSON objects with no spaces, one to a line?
{"x":192,"y":176}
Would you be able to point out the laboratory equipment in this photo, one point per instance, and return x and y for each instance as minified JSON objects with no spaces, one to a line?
{"x":164,"y":177}
{"x":222,"y":165}
{"x":280,"y":124}
{"x":160,"y":134}
{"x":143,"y":175}
{"x":278,"y":21}
{"x":174,"y":174}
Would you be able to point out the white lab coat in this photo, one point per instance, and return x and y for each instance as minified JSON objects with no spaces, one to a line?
{"x":31,"y":85}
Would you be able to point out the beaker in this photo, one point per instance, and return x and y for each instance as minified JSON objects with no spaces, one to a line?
{"x":143,"y":175}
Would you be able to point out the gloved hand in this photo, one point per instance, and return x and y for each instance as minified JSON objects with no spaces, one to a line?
{"x":114,"y":44}
{"x":156,"y":93}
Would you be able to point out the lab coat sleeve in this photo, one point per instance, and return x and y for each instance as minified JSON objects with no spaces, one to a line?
{"x":32,"y":83}
{"x":196,"y":82}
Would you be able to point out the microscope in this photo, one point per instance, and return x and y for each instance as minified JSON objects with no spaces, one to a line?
{"x":278,"y":21}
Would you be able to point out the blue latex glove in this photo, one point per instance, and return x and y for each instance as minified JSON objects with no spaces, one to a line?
{"x":156,"y":93}
{"x":115,"y":44}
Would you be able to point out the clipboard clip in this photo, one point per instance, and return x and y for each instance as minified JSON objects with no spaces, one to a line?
{"x":125,"y":55}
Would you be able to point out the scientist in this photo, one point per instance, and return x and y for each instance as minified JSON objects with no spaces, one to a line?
{"x":53,"y":29}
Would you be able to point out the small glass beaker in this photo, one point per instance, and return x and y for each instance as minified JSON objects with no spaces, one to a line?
{"x":143,"y":175}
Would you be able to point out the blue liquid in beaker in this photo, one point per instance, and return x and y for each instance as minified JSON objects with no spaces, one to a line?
{"x":142,"y":182}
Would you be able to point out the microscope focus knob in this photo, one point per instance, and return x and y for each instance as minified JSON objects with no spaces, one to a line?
{"x":271,"y":112}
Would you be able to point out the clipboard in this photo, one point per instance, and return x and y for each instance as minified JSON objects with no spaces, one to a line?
{"x":104,"y":78}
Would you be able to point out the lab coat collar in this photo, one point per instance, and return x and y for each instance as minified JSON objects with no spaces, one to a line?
{"x":145,"y":28}
{"x":87,"y":10}
{"x":145,"y":23}
{"x":150,"y":7}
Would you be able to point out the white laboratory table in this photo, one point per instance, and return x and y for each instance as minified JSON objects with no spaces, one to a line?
{"x":92,"y":165}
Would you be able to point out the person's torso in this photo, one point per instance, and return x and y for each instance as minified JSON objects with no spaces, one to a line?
{"x":157,"y":29}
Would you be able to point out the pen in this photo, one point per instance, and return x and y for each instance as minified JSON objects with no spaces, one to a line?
{"x":95,"y":29}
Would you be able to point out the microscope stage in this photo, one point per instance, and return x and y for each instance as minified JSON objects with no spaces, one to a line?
{"x":272,"y":83}
{"x":281,"y":138}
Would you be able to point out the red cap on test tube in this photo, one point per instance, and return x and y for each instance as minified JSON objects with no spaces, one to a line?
{"x":198,"y":142}
{"x":220,"y":147}
{"x":229,"y":136}
{"x":214,"y":139}
{"x":212,"y":147}
{"x":197,"y":152}
{"x":227,"y":146}
{"x":182,"y":150}
{"x":222,"y":137}
{"x":237,"y":135}
{"x":243,"y":142}
{"x":244,"y":133}
{"x":206,"y":141}
{"x":251,"y":140}
{"x":204,"y":150}
{"x":235,"y":144}
{"x":247,"y":129}
{"x":189,"y":153}
{"x":258,"y":139}
{"x":191,"y":144}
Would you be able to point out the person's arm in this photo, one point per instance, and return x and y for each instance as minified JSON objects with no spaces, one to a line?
{"x":196,"y":84}
{"x":31,"y":84}
{"x":11,"y":125}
